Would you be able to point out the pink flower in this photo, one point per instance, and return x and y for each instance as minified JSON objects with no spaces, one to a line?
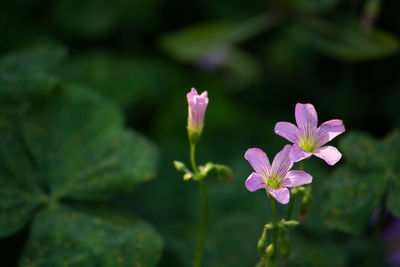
{"x":307,"y":138}
{"x":276,"y":178}
{"x":197,"y":108}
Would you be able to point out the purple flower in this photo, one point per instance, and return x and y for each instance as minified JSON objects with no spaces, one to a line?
{"x":276,"y":178}
{"x":307,"y":138}
{"x":197,"y":108}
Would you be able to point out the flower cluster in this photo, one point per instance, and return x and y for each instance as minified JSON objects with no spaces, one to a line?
{"x":307,"y":139}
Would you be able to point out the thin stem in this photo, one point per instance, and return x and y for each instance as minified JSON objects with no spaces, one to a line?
{"x":204,"y":202}
{"x":192,"y":157}
{"x":275,"y":231}
{"x":293,"y":196}
{"x":204,"y":224}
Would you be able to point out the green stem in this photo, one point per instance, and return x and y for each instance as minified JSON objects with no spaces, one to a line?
{"x":192,"y":157}
{"x":293,"y":196}
{"x":275,"y":231}
{"x":204,"y":224}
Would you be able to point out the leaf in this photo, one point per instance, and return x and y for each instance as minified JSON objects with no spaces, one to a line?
{"x":71,"y":145}
{"x":36,"y":59}
{"x":352,"y":199}
{"x":198,"y":41}
{"x":95,"y":158}
{"x":362,"y":150}
{"x":124,"y":80}
{"x":17,"y":205}
{"x":19,"y":187}
{"x":91,"y":19}
{"x":125,"y":161}
{"x":87,"y":236}
{"x":25,"y":76}
{"x":348,"y":41}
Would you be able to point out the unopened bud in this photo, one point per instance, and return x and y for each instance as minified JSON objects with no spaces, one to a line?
{"x":270,"y":250}
{"x":188,"y":176}
{"x":180,"y":166}
{"x":197,"y":108}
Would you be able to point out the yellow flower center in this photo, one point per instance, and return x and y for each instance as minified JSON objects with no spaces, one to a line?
{"x":308,"y":144}
{"x":274,"y":182}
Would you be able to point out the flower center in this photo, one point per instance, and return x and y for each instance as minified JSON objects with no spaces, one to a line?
{"x":274,"y":182}
{"x":307,"y":144}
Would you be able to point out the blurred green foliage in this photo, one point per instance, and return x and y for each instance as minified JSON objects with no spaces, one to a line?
{"x":256,"y":59}
{"x":68,"y":145}
{"x":369,"y":180}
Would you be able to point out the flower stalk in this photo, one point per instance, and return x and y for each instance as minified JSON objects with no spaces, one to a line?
{"x":197,"y":105}
{"x":274,"y":231}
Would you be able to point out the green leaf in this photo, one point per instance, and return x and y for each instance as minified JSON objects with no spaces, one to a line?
{"x":17,"y":205}
{"x":25,"y":75}
{"x":348,"y":41}
{"x":37,"y":59}
{"x":90,"y":236}
{"x":124,"y":80}
{"x":71,"y":145}
{"x":95,"y":158}
{"x":352,"y":199}
{"x":362,"y":150}
{"x":19,"y":186}
{"x":198,"y":41}
{"x":126,"y":160}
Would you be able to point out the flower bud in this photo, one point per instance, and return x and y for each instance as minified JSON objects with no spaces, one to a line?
{"x":180,"y":166}
{"x":270,"y":250}
{"x":197,"y":108}
{"x":188,"y":176}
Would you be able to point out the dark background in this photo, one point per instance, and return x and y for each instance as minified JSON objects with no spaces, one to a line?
{"x":120,"y":48}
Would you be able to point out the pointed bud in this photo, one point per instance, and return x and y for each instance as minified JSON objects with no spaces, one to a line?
{"x":290,"y":223}
{"x":188,"y":176}
{"x":270,"y":250}
{"x":180,"y":166}
{"x":197,"y":108}
{"x":262,"y":242}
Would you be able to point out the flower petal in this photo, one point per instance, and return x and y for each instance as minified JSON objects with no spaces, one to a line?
{"x":296,"y":178}
{"x":282,"y":162}
{"x":204,"y":95}
{"x":306,"y":117}
{"x":191,"y":94}
{"x":282,"y":195}
{"x":255,"y":182}
{"x":329,"y":130}
{"x":297,"y":154}
{"x":287,"y":130}
{"x":258,"y":160}
{"x":328,"y":153}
